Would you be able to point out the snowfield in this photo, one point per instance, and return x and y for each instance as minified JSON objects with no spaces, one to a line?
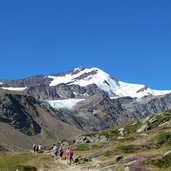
{"x":67,"y":103}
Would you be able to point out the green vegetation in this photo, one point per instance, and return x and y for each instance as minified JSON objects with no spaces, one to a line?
{"x":164,"y":138}
{"x":111,"y":134}
{"x":108,"y":153}
{"x":26,"y":161}
{"x":12,"y":160}
{"x":129,"y":148}
{"x":164,"y":162}
{"x":90,"y":134}
{"x":144,"y":150}
{"x":81,"y":147}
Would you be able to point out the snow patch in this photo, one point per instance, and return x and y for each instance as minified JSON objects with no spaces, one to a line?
{"x":14,"y":88}
{"x":67,"y":103}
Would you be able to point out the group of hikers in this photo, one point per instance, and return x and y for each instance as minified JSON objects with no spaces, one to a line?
{"x":60,"y":151}
{"x":37,"y":148}
{"x":57,"y":151}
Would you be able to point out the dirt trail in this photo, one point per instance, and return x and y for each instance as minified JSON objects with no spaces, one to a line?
{"x":61,"y":165}
{"x":77,"y":167}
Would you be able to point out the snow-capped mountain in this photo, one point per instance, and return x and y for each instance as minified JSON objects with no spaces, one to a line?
{"x":87,"y":98}
{"x":83,"y":77}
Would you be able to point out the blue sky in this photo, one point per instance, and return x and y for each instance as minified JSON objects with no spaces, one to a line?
{"x":130,"y":40}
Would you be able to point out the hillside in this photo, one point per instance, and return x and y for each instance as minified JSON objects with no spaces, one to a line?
{"x":24,"y":121}
{"x":141,"y":145}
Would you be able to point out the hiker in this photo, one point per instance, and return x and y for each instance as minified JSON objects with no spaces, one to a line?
{"x":34,"y":148}
{"x":69,"y":153}
{"x":39,"y":147}
{"x":61,"y":152}
{"x":55,"y":151}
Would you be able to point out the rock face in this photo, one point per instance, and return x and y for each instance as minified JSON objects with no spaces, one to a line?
{"x":99,"y":111}
{"x":149,"y":105}
{"x":42,"y":92}
{"x":13,"y":110}
{"x":64,"y":91}
{"x":27,"y":82}
{"x":25,"y":120}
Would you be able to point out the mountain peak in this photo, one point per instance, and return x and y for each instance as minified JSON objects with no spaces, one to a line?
{"x":80,"y":68}
{"x":82,"y":77}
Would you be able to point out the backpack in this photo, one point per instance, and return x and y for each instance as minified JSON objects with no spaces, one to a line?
{"x":71,"y":153}
{"x":60,"y":150}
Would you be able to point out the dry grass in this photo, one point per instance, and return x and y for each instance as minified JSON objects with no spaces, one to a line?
{"x":11,"y":161}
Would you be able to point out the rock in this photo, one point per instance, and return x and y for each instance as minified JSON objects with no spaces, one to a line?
{"x":119,"y":158}
{"x":167,"y":153}
{"x":90,"y":139}
{"x":142,"y":129}
{"x":119,"y":138}
{"x":153,"y":120}
{"x":146,"y":119}
{"x":3,"y":148}
{"x":81,"y":159}
{"x":126,"y":168}
{"x":159,"y":141}
{"x":18,"y":111}
{"x":122,"y":131}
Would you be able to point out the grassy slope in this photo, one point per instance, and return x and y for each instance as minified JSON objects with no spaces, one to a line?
{"x":12,"y":161}
{"x":144,"y":149}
